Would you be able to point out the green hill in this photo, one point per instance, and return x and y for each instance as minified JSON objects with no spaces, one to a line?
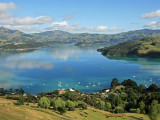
{"x":147,"y":47}
{"x":86,"y":38}
{"x":14,"y":35}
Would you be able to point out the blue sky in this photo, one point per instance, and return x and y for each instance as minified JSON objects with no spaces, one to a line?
{"x":77,"y":16}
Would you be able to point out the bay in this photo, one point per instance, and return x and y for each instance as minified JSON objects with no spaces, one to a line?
{"x":70,"y":66}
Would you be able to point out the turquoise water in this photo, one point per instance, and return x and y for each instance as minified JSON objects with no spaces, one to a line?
{"x":69,"y":66}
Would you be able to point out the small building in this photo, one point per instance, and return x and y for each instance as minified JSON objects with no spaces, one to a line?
{"x":12,"y":93}
{"x":120,"y":87}
{"x":107,"y":90}
{"x":24,"y":95}
{"x":61,"y":92}
{"x":71,"y":90}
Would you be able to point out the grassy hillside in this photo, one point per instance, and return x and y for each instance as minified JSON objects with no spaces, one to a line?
{"x":22,"y":46}
{"x":10,"y":111}
{"x":86,"y":38}
{"x":147,"y":47}
{"x":15,"y":35}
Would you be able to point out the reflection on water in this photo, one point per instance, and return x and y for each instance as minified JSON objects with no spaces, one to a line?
{"x":28,"y":64}
{"x":139,"y":60}
{"x":69,"y":66}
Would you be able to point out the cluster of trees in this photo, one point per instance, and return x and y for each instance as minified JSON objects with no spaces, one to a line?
{"x":123,"y":97}
{"x":128,"y":97}
{"x":7,"y":92}
{"x":61,"y":105}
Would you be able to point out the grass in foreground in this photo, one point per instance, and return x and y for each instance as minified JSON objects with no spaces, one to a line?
{"x":9,"y":111}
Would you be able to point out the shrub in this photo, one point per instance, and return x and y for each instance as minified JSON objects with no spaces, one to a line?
{"x":108,"y":106}
{"x":134,"y":110}
{"x":70,"y":105}
{"x":58,"y":103}
{"x":82,"y":105}
{"x":62,"y":110}
{"x":100,"y":105}
{"x":20,"y":100}
{"x":44,"y":102}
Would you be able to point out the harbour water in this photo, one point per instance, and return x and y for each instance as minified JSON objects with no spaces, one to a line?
{"x":70,"y":66}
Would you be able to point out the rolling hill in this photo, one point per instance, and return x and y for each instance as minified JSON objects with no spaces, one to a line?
{"x":147,"y":47}
{"x":57,"y":36}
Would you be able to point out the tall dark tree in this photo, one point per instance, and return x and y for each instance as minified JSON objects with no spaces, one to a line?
{"x":153,"y":87}
{"x":17,"y":90}
{"x":11,"y":90}
{"x":114,"y":83}
{"x":129,"y":83}
{"x":21,"y":91}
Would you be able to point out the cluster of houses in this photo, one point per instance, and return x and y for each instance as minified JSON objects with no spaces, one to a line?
{"x":104,"y":94}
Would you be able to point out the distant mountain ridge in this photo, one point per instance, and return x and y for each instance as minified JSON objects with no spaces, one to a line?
{"x":58,"y":36}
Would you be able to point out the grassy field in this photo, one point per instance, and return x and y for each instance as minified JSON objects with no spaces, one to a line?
{"x":9,"y":111}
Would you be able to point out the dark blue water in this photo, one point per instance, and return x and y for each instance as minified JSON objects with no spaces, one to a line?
{"x":69,"y":66}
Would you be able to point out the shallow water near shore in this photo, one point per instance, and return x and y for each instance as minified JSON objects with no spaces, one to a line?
{"x":69,"y":66}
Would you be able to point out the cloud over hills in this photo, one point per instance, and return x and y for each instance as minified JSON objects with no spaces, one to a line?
{"x":41,"y":23}
{"x":151,"y":15}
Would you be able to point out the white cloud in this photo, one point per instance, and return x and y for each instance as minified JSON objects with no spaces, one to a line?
{"x":37,"y":24}
{"x":76,"y":28}
{"x":28,"y":64}
{"x":153,"y":24}
{"x":25,"y":24}
{"x":102,"y":28}
{"x":26,"y":20}
{"x":153,"y":14}
{"x":7,"y":6}
{"x":64,"y":23}
{"x":4,"y":8}
{"x":25,"y":28}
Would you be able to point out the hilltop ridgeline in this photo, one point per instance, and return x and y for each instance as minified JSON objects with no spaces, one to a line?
{"x":62,"y":37}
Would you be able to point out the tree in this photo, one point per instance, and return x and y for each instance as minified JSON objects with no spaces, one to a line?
{"x":11,"y":90}
{"x":62,"y":110}
{"x":70,"y":105}
{"x":21,"y":91}
{"x":153,"y":110}
{"x":114,"y":83}
{"x":2,"y":91}
{"x":119,"y":109}
{"x":17,"y":90}
{"x":142,"y":107}
{"x":58,"y":103}
{"x":129,"y":83}
{"x":153,"y":87}
{"x":44,"y":102}
{"x":141,"y":88}
{"x":20,"y":100}
{"x":113,"y":99}
{"x":100,"y":105}
{"x":108,"y":106}
{"x":82,"y":104}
